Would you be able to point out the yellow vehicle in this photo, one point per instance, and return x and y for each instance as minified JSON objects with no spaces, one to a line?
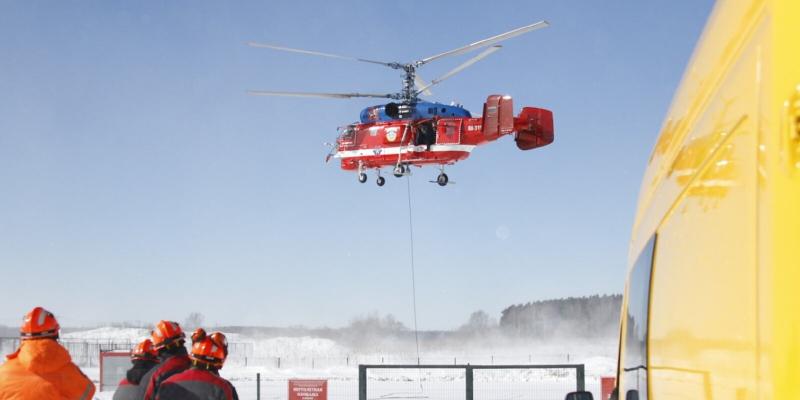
{"x":712,"y":301}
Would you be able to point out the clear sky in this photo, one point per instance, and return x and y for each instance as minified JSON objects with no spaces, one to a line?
{"x":138,"y":181}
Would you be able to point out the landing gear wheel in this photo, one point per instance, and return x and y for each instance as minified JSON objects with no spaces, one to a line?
{"x":381,"y":180}
{"x":399,"y":171}
{"x":442,"y":179}
{"x":362,"y":177}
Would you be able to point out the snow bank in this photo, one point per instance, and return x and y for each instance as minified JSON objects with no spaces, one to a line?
{"x":297,"y":347}
{"x":109,"y":334}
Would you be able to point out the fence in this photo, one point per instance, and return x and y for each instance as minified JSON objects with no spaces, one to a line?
{"x":246,"y":359}
{"x":86,"y":352}
{"x":469,"y":382}
{"x":275,"y":388}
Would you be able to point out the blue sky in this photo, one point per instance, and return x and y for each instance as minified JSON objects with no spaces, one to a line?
{"x":140,"y":182}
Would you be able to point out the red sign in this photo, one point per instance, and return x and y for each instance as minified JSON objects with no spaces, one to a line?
{"x":607,"y":386}
{"x":308,"y":389}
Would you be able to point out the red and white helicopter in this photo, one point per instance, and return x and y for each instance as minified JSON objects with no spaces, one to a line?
{"x":409,"y":131}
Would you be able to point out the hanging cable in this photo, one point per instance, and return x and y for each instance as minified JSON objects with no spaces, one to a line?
{"x":413,"y":279}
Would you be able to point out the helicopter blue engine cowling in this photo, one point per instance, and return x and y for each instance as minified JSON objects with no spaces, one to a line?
{"x":419,"y":110}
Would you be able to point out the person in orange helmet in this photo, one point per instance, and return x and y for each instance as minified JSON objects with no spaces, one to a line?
{"x":41,"y":368}
{"x":144,"y":358}
{"x":202,"y":380}
{"x":168,"y":340}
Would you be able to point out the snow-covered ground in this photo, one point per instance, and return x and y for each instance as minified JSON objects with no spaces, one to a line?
{"x":320,"y":358}
{"x":108,"y":333}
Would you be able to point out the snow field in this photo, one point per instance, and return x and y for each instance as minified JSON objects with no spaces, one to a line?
{"x":320,"y":358}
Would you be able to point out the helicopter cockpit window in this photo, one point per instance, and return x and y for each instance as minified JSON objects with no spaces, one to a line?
{"x":348,"y":134}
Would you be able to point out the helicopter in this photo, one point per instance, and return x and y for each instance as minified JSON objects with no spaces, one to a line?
{"x":408,"y":131}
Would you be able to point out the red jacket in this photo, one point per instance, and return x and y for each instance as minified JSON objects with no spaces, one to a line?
{"x":42,"y":369}
{"x":197,"y":384}
{"x":149,"y":386}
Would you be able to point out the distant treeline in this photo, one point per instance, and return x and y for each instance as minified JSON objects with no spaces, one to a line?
{"x":586,"y":317}
{"x":595,"y":316}
{"x":590,"y":317}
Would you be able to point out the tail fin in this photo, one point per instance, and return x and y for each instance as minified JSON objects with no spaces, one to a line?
{"x":534,"y":128}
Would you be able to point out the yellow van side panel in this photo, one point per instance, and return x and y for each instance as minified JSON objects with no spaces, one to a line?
{"x":722,"y":192}
{"x":779,"y":209}
{"x":703,"y":342}
{"x":728,"y":33}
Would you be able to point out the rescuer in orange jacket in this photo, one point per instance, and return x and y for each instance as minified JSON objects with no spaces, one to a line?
{"x":202,"y":380}
{"x":168,"y":340}
{"x":144,"y":358}
{"x":41,"y":368}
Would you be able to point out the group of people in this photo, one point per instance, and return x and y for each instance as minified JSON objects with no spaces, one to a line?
{"x":162,"y":368}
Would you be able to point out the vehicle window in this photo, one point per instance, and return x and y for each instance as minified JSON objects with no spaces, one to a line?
{"x":634,"y":371}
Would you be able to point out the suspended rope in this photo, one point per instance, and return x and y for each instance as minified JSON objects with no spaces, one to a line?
{"x":413,"y":278}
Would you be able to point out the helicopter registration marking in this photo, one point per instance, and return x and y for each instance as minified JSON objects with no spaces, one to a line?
{"x":472,"y":128}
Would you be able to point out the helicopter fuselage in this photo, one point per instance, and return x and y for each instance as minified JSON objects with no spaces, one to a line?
{"x":436,"y":138}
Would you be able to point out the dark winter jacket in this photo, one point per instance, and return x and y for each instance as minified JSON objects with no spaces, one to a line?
{"x":126,"y":391}
{"x":197,"y":384}
{"x":172,"y":362}
{"x":128,"y":388}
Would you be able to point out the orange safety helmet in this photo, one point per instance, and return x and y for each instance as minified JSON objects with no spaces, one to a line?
{"x":144,"y":351}
{"x":209,"y":350}
{"x":221,"y":340}
{"x":38,"y":324}
{"x":166,"y":333}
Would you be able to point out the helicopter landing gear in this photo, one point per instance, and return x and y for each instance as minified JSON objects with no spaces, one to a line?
{"x":442,"y":179}
{"x":381,"y":180}
{"x":362,"y":176}
{"x":399,"y":170}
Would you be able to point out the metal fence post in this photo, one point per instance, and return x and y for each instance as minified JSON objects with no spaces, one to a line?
{"x":469,"y":382}
{"x":362,"y":382}
{"x":580,"y":377}
{"x":258,"y":386}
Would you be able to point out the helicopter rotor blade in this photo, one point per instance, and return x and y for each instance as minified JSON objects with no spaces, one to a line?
{"x":319,"y":95}
{"x":487,"y":42}
{"x":317,"y":53}
{"x":422,"y":86}
{"x":461,"y":67}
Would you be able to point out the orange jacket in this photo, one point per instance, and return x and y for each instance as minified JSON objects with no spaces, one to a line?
{"x":42,"y":369}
